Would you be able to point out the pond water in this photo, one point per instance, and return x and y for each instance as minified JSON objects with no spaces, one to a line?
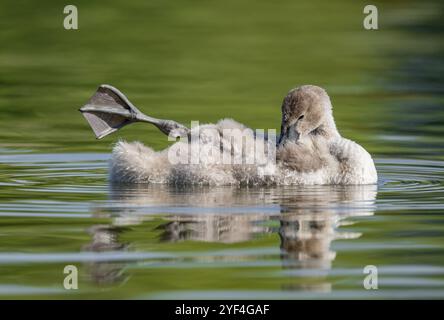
{"x":205,"y":61}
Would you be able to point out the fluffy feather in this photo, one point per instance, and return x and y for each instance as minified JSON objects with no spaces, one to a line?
{"x":310,"y":151}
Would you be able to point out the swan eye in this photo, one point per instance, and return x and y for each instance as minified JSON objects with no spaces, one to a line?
{"x":301,"y":117}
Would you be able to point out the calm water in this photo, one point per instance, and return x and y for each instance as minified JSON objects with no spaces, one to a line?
{"x":204,"y":61}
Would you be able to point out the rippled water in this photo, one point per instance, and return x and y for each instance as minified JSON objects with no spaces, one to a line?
{"x":205,"y":60}
{"x":169,"y":242}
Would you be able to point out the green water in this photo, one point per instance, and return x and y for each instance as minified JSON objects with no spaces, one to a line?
{"x":205,"y":60}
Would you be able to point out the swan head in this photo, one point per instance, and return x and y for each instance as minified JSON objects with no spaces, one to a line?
{"x":305,"y":110}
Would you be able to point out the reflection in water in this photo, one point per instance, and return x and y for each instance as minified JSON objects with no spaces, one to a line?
{"x":306,"y":219}
{"x":106,"y":238}
{"x":220,"y":228}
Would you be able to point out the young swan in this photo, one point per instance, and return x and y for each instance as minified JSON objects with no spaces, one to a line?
{"x":310,"y":142}
{"x":309,"y":151}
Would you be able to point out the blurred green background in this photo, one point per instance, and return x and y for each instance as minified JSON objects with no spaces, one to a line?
{"x":204,"y":60}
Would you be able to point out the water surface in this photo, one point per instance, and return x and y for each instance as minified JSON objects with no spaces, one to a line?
{"x":203,"y":61}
